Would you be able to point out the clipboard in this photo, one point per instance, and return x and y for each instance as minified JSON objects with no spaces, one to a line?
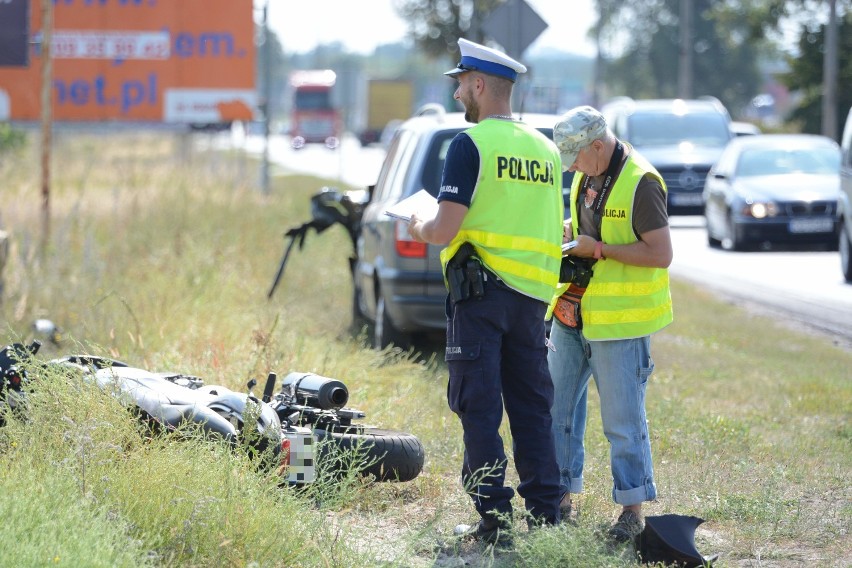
{"x":421,"y":203}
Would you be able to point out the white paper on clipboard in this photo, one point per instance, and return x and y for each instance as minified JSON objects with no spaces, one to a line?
{"x":568,"y":246}
{"x":421,"y":203}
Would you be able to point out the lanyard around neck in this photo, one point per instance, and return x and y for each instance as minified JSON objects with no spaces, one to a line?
{"x":611,"y":170}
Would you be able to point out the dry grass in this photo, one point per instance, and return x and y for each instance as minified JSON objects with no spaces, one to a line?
{"x":161,"y":255}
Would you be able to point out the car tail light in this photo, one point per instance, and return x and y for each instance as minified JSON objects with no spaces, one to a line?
{"x":13,"y":378}
{"x":406,"y":246}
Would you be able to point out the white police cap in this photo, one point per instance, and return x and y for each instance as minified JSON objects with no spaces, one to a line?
{"x":476,"y":57}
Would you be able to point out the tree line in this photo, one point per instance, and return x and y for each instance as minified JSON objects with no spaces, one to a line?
{"x":641,"y":42}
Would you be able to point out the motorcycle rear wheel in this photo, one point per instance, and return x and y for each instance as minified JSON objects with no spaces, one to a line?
{"x":389,"y":455}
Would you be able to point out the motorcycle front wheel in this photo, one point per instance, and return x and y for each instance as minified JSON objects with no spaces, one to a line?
{"x":388,"y":455}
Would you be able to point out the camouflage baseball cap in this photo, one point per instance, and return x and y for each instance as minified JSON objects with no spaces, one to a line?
{"x":575,"y":130}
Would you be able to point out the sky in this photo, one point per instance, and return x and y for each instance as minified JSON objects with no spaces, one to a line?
{"x":361,"y":25}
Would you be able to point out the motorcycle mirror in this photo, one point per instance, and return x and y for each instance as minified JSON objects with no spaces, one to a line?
{"x":269,"y":388}
{"x":47,"y":329}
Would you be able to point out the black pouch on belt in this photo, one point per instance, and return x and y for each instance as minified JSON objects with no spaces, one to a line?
{"x":465,"y":276}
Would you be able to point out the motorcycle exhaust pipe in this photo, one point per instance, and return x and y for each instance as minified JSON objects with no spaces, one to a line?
{"x":310,"y":389}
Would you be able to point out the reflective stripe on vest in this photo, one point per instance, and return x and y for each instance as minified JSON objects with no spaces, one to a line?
{"x":515,"y":219}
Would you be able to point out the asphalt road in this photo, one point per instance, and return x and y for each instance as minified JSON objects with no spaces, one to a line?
{"x":803,"y":287}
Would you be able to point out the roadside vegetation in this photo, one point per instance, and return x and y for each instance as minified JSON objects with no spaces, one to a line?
{"x":161,"y":255}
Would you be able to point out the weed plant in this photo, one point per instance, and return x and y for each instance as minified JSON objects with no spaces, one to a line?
{"x":161,"y":254}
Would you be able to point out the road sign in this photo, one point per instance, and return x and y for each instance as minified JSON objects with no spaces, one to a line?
{"x":514,"y":25}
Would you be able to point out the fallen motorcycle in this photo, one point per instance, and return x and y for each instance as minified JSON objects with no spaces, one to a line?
{"x":170,"y":401}
{"x":308,"y":409}
{"x":307,"y":399}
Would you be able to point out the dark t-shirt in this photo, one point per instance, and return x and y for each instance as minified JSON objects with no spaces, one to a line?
{"x":461,"y":170}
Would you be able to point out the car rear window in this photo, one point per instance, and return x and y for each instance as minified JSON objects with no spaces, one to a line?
{"x":434,"y":163}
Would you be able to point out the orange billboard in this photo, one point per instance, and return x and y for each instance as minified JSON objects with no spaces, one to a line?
{"x":174,"y":61}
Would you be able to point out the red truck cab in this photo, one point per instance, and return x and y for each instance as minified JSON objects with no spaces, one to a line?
{"x":314,"y":118}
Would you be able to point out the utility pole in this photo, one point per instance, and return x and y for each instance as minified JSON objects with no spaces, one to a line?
{"x":684,"y":73}
{"x":267,"y":95}
{"x":597,"y":74}
{"x":46,"y":114}
{"x":829,"y":75}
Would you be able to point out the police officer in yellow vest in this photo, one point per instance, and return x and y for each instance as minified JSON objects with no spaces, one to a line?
{"x":500,"y":214}
{"x":614,"y":295}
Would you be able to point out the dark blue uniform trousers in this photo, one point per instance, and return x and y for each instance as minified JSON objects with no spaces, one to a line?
{"x":496,"y":356}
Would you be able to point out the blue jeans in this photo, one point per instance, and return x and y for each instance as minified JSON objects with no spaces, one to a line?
{"x":621,"y":369}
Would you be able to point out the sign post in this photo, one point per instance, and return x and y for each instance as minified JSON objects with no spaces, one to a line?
{"x":46,"y":117}
{"x":514,"y":25}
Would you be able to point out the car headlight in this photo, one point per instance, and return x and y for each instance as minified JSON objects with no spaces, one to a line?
{"x":760,"y":209}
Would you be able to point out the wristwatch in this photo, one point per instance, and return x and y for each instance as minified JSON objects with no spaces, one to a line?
{"x":599,"y":251}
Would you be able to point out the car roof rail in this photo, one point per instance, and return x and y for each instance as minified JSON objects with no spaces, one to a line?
{"x":431,"y":108}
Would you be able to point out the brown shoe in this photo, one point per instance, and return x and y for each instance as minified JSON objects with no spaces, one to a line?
{"x":627,"y":527}
{"x":570,"y":513}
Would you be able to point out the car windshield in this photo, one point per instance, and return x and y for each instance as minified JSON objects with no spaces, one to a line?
{"x":313,"y":100}
{"x":668,"y":129}
{"x":779,"y":161}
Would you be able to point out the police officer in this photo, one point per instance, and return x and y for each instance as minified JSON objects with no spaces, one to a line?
{"x":500,"y":214}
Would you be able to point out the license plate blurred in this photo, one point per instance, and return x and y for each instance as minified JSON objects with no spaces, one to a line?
{"x":300,"y":466}
{"x":686,"y":198}
{"x":811,"y":225}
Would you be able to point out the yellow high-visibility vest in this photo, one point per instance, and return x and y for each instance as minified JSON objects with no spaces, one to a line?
{"x":622,"y":301}
{"x":515,"y":219}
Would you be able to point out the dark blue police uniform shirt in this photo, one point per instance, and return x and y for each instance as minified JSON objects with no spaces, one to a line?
{"x":461,"y":170}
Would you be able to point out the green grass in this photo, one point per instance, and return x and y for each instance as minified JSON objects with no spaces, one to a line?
{"x":162,"y":257}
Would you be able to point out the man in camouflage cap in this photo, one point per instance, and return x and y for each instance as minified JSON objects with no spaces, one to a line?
{"x":602,"y":325}
{"x":576,"y":130}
